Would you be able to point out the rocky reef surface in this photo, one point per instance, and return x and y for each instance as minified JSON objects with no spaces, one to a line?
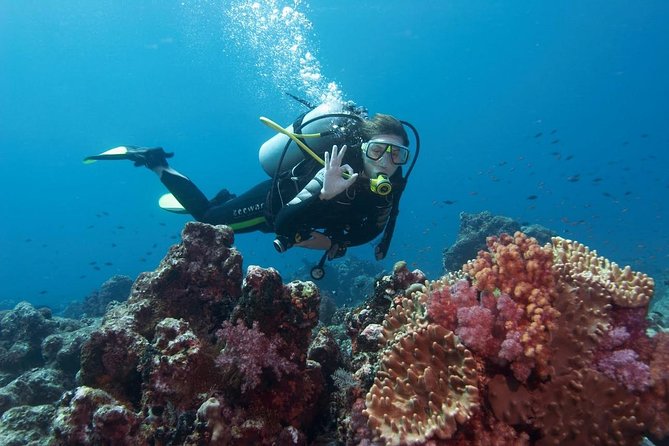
{"x":39,"y":361}
{"x":528,"y":343}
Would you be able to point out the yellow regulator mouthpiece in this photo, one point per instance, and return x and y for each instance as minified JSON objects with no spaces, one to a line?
{"x":381,"y":185}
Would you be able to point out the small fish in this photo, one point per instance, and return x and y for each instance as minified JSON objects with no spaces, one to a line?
{"x":108,"y":263}
{"x":120,"y":227}
{"x":28,"y":240}
{"x":43,"y":292}
{"x":162,"y":224}
{"x":555,"y":141}
{"x":92,"y":263}
{"x":574,"y":178}
{"x":114,"y":245}
{"x":538,"y":134}
{"x":553,"y":131}
{"x":568,"y":157}
{"x":96,"y":268}
{"x":597,"y":180}
{"x":644,"y":135}
{"x":532,"y":197}
{"x":449,"y":202}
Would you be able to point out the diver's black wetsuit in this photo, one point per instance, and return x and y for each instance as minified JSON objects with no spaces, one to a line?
{"x":354,"y":217}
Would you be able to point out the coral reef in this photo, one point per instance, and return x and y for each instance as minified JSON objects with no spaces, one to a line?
{"x":39,"y":359}
{"x":475,"y":228}
{"x":346,"y":281}
{"x":659,"y":304}
{"x":37,"y":351}
{"x":527,"y":344}
{"x":552,"y":349}
{"x":26,"y":425}
{"x":199,"y":354}
{"x":116,"y":288}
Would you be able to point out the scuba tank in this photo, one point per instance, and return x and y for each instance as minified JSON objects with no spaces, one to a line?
{"x":320,"y":134}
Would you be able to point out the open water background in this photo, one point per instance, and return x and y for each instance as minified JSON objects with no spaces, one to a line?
{"x":548,"y":112}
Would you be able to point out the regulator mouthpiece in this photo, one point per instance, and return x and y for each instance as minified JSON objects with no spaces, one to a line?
{"x":381,"y":185}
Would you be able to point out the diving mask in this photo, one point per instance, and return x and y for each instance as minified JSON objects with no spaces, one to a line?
{"x":376,"y":148}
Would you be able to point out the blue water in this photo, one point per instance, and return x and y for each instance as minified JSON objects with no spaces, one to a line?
{"x":479,"y":79}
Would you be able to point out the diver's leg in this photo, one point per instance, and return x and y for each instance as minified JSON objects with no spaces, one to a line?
{"x":155,"y":159}
{"x":184,"y":190}
{"x":245,"y":213}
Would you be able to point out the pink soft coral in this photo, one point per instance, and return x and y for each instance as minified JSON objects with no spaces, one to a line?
{"x":251,"y":351}
{"x":475,"y":325}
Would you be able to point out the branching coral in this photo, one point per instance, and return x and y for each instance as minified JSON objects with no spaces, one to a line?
{"x":578,"y":263}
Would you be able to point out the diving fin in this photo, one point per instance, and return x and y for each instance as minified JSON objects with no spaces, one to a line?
{"x":117,"y":153}
{"x":169,"y":203}
{"x":141,"y":156}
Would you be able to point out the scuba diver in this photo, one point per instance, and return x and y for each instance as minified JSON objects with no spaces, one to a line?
{"x":346,"y":199}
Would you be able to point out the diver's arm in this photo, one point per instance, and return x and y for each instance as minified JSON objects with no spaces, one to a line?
{"x":326,"y":184}
{"x":294,"y":218}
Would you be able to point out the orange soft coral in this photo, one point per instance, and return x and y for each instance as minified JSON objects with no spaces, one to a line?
{"x":520,"y":267}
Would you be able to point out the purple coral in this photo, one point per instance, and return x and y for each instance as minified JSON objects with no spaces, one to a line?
{"x":622,"y":366}
{"x":251,"y":351}
{"x":475,"y":325}
{"x":511,"y":346}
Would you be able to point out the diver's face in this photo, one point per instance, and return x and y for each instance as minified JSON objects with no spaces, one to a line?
{"x":383,"y":165}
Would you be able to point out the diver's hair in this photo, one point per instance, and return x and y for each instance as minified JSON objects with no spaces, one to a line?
{"x":382,"y":124}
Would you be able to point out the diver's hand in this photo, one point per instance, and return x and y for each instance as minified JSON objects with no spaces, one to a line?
{"x":337,"y":178}
{"x":318,"y":240}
